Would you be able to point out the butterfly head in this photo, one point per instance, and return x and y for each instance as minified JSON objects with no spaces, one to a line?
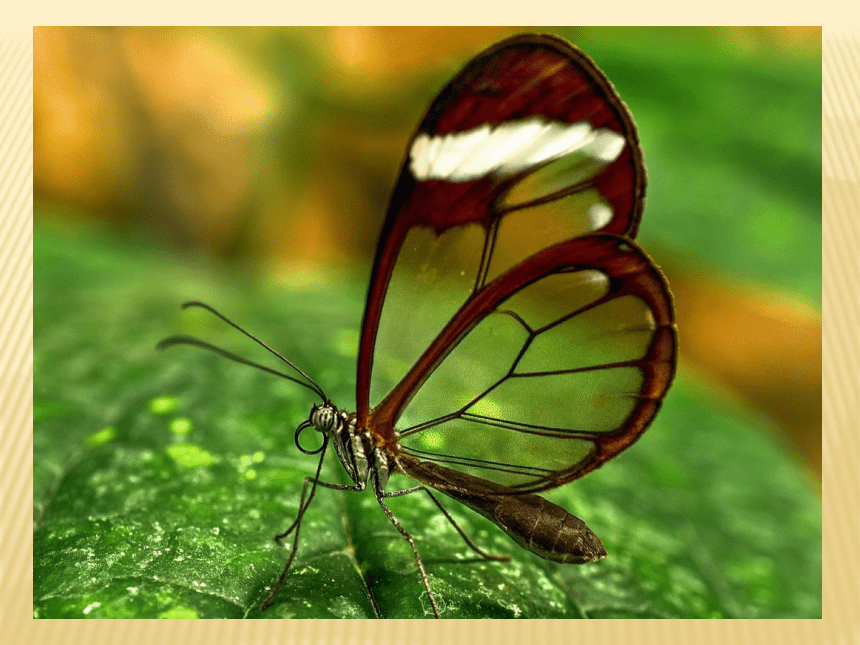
{"x":325,"y":418}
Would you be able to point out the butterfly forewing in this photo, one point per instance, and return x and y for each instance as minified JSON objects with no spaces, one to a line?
{"x":526,"y":147}
{"x":507,"y":334}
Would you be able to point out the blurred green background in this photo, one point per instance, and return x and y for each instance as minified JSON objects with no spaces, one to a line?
{"x":250,"y":168}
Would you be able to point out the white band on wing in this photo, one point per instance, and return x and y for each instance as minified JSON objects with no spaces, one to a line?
{"x":508,"y":148}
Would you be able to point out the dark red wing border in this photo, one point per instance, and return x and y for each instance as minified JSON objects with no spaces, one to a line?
{"x":522,"y":77}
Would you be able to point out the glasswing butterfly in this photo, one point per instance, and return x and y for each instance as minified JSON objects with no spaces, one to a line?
{"x":514,"y":337}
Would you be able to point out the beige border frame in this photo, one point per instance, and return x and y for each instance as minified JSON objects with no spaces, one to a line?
{"x":841,"y":440}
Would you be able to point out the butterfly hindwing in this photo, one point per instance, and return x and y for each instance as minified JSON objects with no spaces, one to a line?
{"x":557,"y":365}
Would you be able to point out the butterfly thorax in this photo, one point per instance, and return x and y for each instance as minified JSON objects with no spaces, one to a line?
{"x":358,"y":453}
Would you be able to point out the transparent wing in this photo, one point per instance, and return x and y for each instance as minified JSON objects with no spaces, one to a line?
{"x":549,"y":371}
{"x":510,"y":330}
{"x":528,"y":146}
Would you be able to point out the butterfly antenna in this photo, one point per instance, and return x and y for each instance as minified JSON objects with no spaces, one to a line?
{"x":190,"y":340}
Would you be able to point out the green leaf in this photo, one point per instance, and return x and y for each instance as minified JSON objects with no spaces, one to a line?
{"x":161,"y":477}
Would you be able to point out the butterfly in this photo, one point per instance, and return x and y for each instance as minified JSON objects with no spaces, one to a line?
{"x":514,"y":336}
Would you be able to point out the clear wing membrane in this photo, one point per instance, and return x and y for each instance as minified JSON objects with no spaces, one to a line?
{"x":512,"y":329}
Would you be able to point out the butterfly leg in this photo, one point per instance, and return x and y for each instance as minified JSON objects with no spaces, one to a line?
{"x":380,"y":497}
{"x":296,"y":525}
{"x":466,"y":539}
{"x":302,"y":507}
